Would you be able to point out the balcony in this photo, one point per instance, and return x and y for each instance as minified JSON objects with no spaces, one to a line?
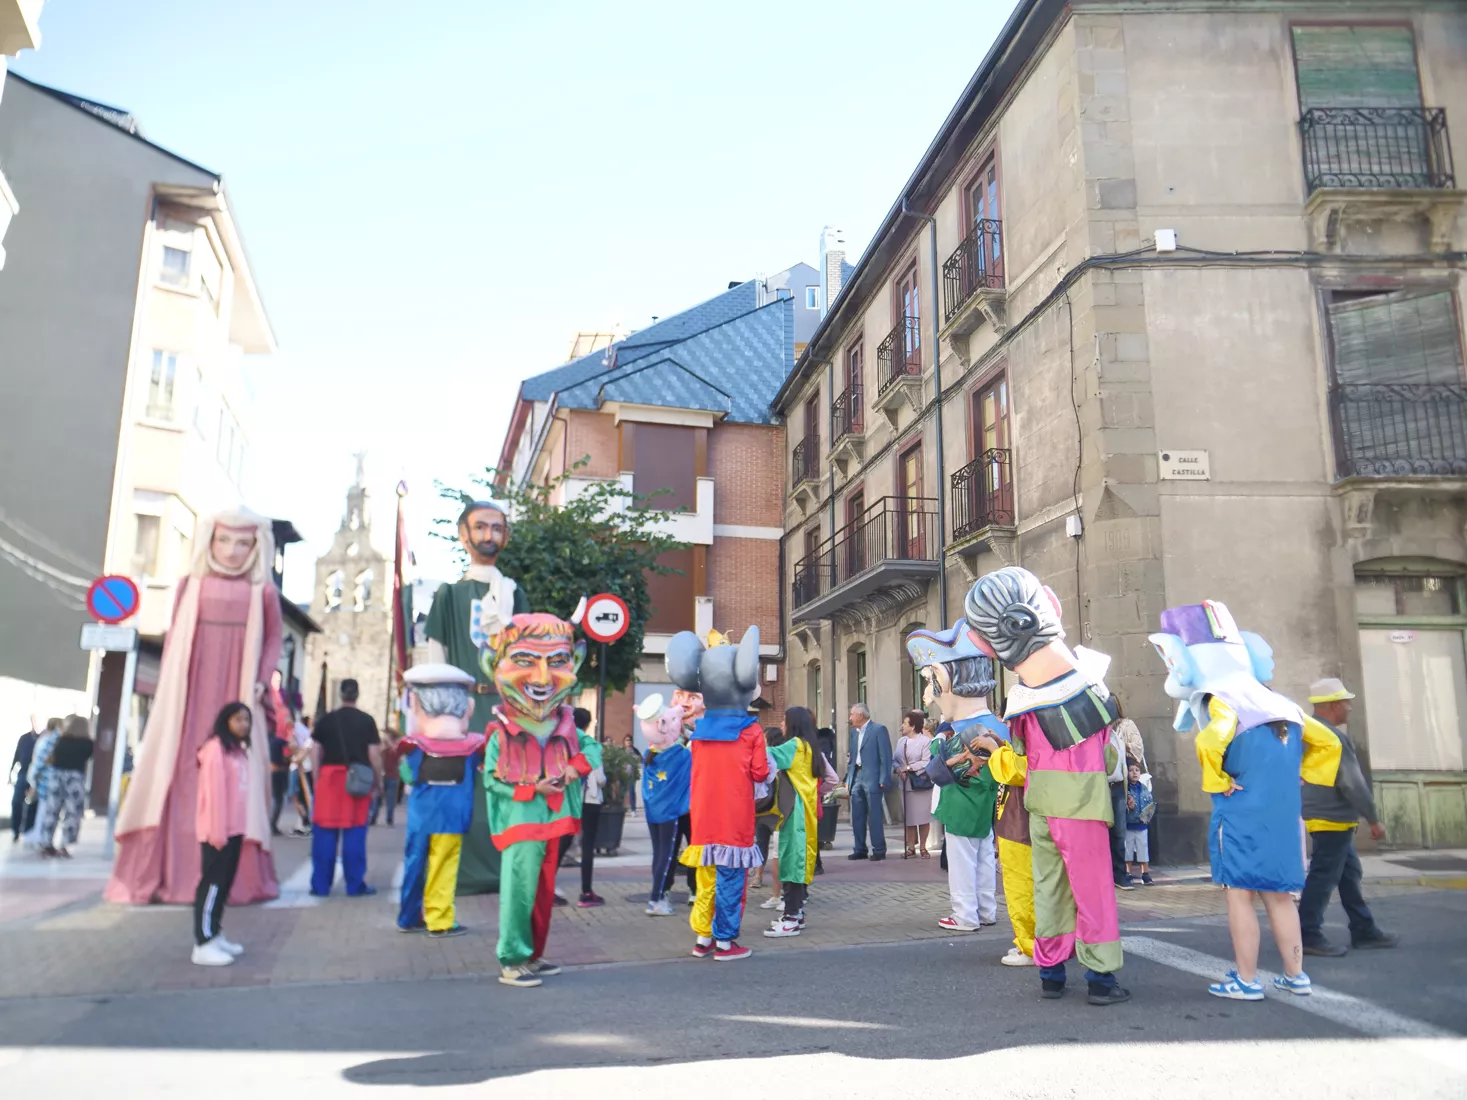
{"x":1397,"y":440}
{"x":849,"y":434}
{"x":983,"y":508}
{"x":899,"y":367}
{"x":881,"y":562}
{"x":1378,"y":164}
{"x":973,"y":285}
{"x":805,"y":472}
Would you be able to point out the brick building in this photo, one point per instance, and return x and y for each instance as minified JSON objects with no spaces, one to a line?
{"x":1168,"y":310}
{"x":682,"y":406}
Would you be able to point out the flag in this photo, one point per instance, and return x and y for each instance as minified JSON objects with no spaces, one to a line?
{"x":401,"y":619}
{"x":321,"y":696}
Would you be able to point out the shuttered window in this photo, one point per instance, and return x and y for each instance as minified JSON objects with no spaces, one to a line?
{"x":1359,"y":66}
{"x":1406,"y":337}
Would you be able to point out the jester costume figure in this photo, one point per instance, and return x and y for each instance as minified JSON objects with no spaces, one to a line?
{"x":533,"y":765}
{"x":1254,"y":746}
{"x":1059,"y":718}
{"x":729,"y":757}
{"x":441,"y":764}
{"x":463,"y":624}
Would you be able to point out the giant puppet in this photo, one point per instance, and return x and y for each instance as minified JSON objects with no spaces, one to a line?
{"x":1254,"y":746}
{"x":959,"y":673}
{"x":533,"y":765}
{"x":1059,"y":719}
{"x":463,"y":625}
{"x":222,"y":644}
{"x":729,"y":757}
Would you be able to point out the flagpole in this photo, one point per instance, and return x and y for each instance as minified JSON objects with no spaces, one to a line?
{"x":397,"y":656}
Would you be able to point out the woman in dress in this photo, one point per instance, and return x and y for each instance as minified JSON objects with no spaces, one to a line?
{"x":909,"y":759}
{"x":41,"y":779}
{"x":67,"y":799}
{"x":223,"y":644}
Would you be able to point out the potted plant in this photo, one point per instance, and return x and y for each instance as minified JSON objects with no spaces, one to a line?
{"x":623,"y":767}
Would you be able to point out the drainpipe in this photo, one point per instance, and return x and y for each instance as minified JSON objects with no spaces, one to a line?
{"x":937,"y":402}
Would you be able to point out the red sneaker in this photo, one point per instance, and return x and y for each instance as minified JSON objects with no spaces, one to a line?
{"x":731,"y":952}
{"x":702,"y":950}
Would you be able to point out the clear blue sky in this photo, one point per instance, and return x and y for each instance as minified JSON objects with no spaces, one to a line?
{"x":436,"y":196}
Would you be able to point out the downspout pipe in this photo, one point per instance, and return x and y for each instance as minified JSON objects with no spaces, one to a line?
{"x":932,"y":310}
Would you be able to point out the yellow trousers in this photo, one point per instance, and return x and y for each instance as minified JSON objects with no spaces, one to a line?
{"x":441,"y":881}
{"x":1017,"y":861}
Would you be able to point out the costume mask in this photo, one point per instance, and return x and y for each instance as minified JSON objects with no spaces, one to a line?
{"x":535,"y":664}
{"x":691,"y":705}
{"x":1014,"y":614}
{"x":233,"y":549}
{"x":662,"y":727}
{"x":1206,"y":654}
{"x":483,"y":530}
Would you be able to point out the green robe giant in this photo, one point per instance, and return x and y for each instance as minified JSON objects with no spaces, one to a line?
{"x":449,"y":624}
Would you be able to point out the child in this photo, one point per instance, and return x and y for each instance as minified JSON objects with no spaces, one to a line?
{"x":667,"y":771}
{"x":1140,"y":807}
{"x":799,"y":842}
{"x":220,"y":823}
{"x":438,"y":760}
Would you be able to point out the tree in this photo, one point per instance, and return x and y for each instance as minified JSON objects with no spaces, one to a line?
{"x":605,"y":539}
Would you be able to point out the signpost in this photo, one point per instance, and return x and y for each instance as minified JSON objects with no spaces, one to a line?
{"x":111,"y":600}
{"x":605,"y":621}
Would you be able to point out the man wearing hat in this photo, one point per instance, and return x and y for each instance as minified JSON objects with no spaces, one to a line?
{"x":1331,"y":814}
{"x":441,"y":762}
{"x":465,"y":618}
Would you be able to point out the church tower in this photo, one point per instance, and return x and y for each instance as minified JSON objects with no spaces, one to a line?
{"x":353,"y":604}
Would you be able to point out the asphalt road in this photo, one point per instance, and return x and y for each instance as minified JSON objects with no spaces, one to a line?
{"x":928,"y":1019}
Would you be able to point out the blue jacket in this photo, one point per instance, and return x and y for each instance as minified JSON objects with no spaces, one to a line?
{"x":667,"y":779}
{"x":874,"y":758}
{"x":438,"y":808}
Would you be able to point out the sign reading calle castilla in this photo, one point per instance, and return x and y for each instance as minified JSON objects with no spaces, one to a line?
{"x":1183,"y":466}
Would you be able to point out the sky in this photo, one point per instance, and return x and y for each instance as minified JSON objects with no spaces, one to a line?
{"x":435,"y":197}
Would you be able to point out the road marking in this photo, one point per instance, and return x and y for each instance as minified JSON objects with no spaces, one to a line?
{"x":808,"y":1021}
{"x":295,"y":892}
{"x":1341,"y":1008}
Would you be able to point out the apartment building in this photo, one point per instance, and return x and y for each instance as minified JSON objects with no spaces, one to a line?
{"x":682,"y":406}
{"x":19,"y":30}
{"x":126,"y":309}
{"x":1170,"y":309}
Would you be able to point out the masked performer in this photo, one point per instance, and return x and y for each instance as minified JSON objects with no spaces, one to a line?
{"x":463,"y":624}
{"x":222,"y":645}
{"x":667,"y":771}
{"x":1254,"y":746}
{"x":440,"y":763}
{"x":533,"y":766}
{"x":729,"y":757}
{"x":1059,"y":720}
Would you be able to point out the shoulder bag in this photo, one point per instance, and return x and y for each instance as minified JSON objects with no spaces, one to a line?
{"x":361,"y":779}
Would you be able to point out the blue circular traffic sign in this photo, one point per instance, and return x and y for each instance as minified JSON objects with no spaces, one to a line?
{"x":112,"y":599}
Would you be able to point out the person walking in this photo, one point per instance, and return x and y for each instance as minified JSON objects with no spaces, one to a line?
{"x":394,"y":748}
{"x":67,"y":801}
{"x":630,"y":744}
{"x":910,"y":758}
{"x":301,"y":778}
{"x":41,"y":780}
{"x":868,"y":778}
{"x":22,"y":809}
{"x":220,"y":812}
{"x":1331,"y":816}
{"x":592,"y":790}
{"x":346,"y":754}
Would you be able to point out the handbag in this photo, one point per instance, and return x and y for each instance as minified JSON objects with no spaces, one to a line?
{"x":920,"y":781}
{"x":361,"y":779}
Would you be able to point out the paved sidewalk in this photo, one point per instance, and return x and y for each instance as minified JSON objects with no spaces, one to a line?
{"x":58,"y":938}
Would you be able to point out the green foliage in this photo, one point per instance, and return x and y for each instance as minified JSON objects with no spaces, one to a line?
{"x":623,"y":769}
{"x":605,"y":540}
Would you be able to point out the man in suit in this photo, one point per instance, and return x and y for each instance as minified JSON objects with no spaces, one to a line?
{"x":868,"y":775}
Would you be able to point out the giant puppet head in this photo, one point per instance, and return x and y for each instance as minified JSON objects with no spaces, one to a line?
{"x":440,"y":701}
{"x":534,"y":666}
{"x":1206,"y":655}
{"x":483,"y":530}
{"x":726,"y":676}
{"x":237,"y":543}
{"x":957,"y":667}
{"x":661,"y":726}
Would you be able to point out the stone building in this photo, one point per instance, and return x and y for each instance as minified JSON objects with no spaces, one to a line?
{"x":1169,"y":310}
{"x":353,"y":604}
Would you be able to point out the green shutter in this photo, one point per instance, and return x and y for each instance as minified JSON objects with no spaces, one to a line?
{"x":1405,"y":338}
{"x":1360,"y":66}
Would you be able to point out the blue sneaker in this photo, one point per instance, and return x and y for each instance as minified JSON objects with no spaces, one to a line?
{"x":1234,"y":988}
{"x":1299,"y":985}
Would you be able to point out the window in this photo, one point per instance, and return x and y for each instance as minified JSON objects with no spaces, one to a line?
{"x":909,"y":313}
{"x":362,"y":597}
{"x":909,"y":490}
{"x":1412,"y":653}
{"x":175,"y":267}
{"x":855,"y":533}
{"x":913,"y":685}
{"x":211,"y":274}
{"x":813,"y":691}
{"x":812,"y":416}
{"x":160,"y":385}
{"x":981,"y":198}
{"x":332,"y":593}
{"x":145,"y":546}
{"x":176,"y":264}
{"x":1362,"y":66}
{"x":199,"y":407}
{"x":858,"y":676}
{"x":812,"y":297}
{"x":853,"y":366}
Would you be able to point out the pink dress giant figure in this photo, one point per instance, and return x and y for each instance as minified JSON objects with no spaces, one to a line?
{"x":223,"y":643}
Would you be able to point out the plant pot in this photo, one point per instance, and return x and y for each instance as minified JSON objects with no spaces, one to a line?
{"x":608,"y":829}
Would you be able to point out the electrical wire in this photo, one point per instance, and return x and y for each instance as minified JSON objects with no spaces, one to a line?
{"x":1079,"y":459}
{"x":31,"y":535}
{"x":64,"y":596}
{"x":13,"y":551}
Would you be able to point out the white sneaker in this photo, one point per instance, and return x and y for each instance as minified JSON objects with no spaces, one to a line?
{"x":771,"y":903}
{"x":952,"y":924}
{"x":229,"y":945}
{"x":664,"y":908}
{"x":783,"y":929}
{"x":211,"y":954}
{"x":1015,"y":957}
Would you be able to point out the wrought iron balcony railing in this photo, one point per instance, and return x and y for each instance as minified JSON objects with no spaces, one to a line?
{"x":1371,"y":148}
{"x":983,"y":494}
{"x":894,"y":529}
{"x":900,"y":354}
{"x":847,"y":413}
{"x":1400,"y":430}
{"x":977,"y":264}
{"x":806,"y":465}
